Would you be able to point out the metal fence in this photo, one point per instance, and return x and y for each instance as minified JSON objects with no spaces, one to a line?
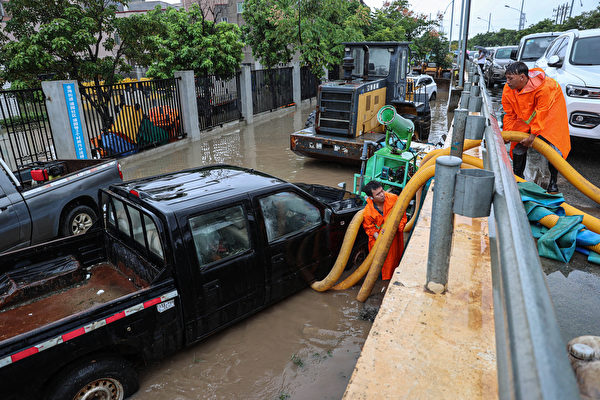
{"x":271,"y":89}
{"x":125,"y":118}
{"x":308,"y":84}
{"x":25,"y":132}
{"x":218,"y":100}
{"x":531,"y":355}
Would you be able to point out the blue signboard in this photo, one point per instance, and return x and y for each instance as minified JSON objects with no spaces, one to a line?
{"x":73,"y":113}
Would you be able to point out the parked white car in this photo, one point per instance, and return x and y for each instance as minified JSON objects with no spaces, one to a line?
{"x":427,"y":84}
{"x":533,"y":46}
{"x":573,"y":60}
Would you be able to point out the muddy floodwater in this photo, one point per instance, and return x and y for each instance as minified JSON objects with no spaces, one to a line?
{"x":304,"y":347}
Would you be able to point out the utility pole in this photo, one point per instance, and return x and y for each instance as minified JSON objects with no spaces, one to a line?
{"x":452,"y":23}
{"x":521,"y":17}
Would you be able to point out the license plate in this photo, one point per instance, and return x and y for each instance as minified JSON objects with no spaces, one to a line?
{"x":164,"y":306}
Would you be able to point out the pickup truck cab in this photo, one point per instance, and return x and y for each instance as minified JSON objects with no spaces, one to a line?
{"x":179,"y":257}
{"x":61,"y":202}
{"x":573,"y":60}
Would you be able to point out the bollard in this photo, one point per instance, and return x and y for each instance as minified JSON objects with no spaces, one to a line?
{"x":475,"y":126}
{"x":475,"y":104}
{"x":464,"y":99}
{"x":458,"y":132}
{"x":473,"y":193}
{"x":442,"y":221}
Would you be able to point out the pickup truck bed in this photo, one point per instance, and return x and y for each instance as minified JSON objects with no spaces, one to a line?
{"x":99,"y":285}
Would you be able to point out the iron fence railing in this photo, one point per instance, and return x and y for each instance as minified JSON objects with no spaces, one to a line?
{"x":125,"y":118}
{"x":308,"y":84}
{"x":25,"y":132}
{"x":531,"y":355}
{"x":271,"y":89}
{"x":218,"y":100}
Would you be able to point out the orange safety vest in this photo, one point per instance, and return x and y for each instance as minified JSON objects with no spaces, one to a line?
{"x":373,"y":222}
{"x":539,"y":108}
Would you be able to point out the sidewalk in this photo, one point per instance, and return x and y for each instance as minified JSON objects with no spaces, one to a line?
{"x":427,"y":346}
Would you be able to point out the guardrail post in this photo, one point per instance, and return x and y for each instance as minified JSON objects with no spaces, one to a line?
{"x":475,"y":125}
{"x":66,"y":119}
{"x":188,"y":102}
{"x":296,"y":83}
{"x":458,"y":132}
{"x":442,"y":221}
{"x":464,"y":99}
{"x":246,"y":93}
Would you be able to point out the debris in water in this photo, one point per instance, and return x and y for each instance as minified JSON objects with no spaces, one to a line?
{"x":100,"y":292}
{"x":368,"y":313}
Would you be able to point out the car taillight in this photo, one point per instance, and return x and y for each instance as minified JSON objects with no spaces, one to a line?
{"x":120,"y":171}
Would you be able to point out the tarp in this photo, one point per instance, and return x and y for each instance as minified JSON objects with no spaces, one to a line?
{"x":567,"y":236}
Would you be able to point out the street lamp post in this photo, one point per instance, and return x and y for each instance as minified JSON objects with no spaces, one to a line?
{"x":521,"y":15}
{"x":487,"y":20}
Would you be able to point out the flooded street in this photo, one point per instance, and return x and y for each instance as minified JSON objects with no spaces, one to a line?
{"x":305,"y":347}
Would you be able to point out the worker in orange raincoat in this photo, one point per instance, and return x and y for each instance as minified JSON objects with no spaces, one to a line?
{"x":379,"y":205}
{"x":534,"y":104}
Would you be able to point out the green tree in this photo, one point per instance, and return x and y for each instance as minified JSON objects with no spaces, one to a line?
{"x":189,"y":40}
{"x":277,"y":29}
{"x":73,"y":39}
{"x":395,"y":22}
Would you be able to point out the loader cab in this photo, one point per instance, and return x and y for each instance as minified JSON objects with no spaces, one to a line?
{"x":374,"y":61}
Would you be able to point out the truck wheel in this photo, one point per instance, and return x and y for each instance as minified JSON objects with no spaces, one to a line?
{"x":357,"y":256}
{"x":108,"y":378}
{"x":78,"y":220}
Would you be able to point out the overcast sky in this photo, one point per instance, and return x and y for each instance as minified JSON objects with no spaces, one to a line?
{"x":501,"y":16}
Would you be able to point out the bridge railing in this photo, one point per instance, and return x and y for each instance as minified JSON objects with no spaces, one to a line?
{"x":531,"y":354}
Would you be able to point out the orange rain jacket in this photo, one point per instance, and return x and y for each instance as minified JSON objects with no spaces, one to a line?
{"x":373,"y":221}
{"x":539,"y":108}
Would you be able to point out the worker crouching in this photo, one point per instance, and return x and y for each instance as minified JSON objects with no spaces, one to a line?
{"x":379,"y":205}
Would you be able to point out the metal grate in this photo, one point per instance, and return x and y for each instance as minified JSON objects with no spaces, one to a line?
{"x":218,"y":100}
{"x":271,"y":89}
{"x":125,"y":118}
{"x":25,"y":132}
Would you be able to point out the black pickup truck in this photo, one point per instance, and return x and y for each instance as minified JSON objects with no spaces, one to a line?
{"x":177,"y":258}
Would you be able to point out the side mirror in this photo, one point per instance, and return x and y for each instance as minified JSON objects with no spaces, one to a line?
{"x":555,"y":61}
{"x":513,"y":54}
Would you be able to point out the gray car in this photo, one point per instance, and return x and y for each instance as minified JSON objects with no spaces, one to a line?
{"x":496,"y":65}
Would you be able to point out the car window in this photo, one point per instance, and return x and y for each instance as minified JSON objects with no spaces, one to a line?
{"x":502,"y":53}
{"x":586,"y":51}
{"x":220,"y":234}
{"x":534,"y":48}
{"x":122,"y":220}
{"x":136,"y":225}
{"x":561,"y":50}
{"x":152,"y":236}
{"x":286,"y":213}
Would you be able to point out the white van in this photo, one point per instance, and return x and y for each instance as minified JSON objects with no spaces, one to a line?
{"x":573,"y":60}
{"x":533,"y":46}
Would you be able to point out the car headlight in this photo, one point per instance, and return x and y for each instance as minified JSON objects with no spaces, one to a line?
{"x":583,"y":92}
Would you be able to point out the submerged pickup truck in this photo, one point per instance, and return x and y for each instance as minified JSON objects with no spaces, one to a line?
{"x":44,"y":200}
{"x":177,"y":258}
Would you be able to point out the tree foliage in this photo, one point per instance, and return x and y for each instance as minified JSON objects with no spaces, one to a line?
{"x":190,"y":40}
{"x":277,"y":29}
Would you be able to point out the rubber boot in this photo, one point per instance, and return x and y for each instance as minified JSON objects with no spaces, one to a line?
{"x":552,"y":187}
{"x":519,"y":161}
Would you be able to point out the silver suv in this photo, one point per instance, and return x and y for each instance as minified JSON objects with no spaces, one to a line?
{"x":495,"y":65}
{"x":573,"y":60}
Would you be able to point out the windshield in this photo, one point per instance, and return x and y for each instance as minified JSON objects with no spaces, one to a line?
{"x":534,"y":48}
{"x":586,"y":51}
{"x":503,"y":53}
{"x":379,"y":61}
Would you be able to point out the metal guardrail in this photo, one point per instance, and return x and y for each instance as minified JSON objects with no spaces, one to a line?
{"x":531,"y":355}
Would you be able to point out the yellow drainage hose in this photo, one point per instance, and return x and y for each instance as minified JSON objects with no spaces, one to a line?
{"x":359,"y":272}
{"x":343,"y":255}
{"x":390,"y":227}
{"x":592,"y":223}
{"x":566,"y":170}
{"x":468,"y":145}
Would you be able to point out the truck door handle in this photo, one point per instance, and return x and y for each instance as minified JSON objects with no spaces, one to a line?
{"x":278,"y":258}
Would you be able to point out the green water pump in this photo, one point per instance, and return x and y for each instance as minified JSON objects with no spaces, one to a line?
{"x":401,"y":127}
